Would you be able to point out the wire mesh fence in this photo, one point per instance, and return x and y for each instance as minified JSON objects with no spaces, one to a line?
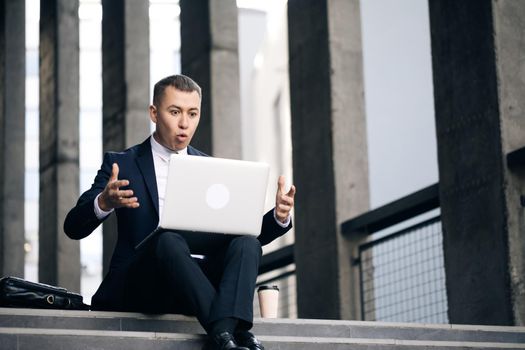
{"x":403,"y":276}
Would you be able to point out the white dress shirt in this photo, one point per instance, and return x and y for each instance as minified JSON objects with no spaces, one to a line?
{"x":161,"y":162}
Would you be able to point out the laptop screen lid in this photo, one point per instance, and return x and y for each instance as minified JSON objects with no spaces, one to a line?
{"x":214,"y":195}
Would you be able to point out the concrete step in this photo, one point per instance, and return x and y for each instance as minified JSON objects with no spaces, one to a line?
{"x":51,"y":339}
{"x":135,"y":322}
{"x":59,"y":329}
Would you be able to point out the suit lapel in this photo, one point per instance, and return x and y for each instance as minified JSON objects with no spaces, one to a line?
{"x":193,"y":151}
{"x":145,"y":164}
{"x":147,"y":168}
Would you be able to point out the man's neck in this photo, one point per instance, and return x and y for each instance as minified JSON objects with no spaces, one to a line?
{"x":159,"y":147}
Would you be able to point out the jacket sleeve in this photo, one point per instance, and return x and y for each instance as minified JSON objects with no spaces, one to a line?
{"x":270,"y":230}
{"x":81,"y":220}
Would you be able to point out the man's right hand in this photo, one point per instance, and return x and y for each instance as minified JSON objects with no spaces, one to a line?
{"x":112,"y":197}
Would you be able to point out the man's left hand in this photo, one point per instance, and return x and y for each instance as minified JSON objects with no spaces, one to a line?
{"x":283,"y":200}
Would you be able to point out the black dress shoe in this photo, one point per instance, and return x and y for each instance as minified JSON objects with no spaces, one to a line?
{"x":223,"y":341}
{"x":248,"y":340}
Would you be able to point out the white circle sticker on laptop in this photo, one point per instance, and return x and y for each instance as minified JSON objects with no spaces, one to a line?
{"x":217,"y":196}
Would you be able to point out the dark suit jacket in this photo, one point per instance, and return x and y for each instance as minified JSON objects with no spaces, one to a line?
{"x":136,"y":165}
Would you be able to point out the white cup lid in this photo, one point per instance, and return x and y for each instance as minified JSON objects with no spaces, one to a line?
{"x":268,"y":287}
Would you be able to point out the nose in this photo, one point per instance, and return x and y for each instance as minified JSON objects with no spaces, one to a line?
{"x":183,"y":121}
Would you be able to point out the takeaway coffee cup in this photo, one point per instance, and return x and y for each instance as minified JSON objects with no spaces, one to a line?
{"x":268,"y":301}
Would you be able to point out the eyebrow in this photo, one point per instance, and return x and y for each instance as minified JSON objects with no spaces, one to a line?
{"x":178,"y":107}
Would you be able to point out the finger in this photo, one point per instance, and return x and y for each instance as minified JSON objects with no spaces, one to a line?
{"x":115,"y":185}
{"x":285,"y":199}
{"x":114,"y":172}
{"x":282,"y":215}
{"x":291,"y":193}
{"x":134,"y":204}
{"x":118,"y":198}
{"x":130,"y":205}
{"x":280,"y":184}
{"x":125,"y":193}
{"x":126,"y":201}
{"x":284,"y":208}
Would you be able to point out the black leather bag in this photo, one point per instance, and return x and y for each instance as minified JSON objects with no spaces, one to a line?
{"x":17,"y":292}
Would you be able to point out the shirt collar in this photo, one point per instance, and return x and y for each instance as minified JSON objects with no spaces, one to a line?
{"x":163,"y":151}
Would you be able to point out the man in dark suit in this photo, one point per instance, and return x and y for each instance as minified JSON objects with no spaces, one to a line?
{"x":163,"y":276}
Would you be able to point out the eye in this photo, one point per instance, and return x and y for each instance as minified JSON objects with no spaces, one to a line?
{"x":174,"y":112}
{"x":193,"y":114}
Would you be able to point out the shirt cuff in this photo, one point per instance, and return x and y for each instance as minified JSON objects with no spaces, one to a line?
{"x":286,"y":223}
{"x":100,"y":214}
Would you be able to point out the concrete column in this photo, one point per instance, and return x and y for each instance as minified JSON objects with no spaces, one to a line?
{"x":479,"y":80}
{"x":125,"y":76}
{"x":329,"y":152}
{"x":12,"y":136}
{"x":59,"y":256}
{"x":509,"y":26}
{"x":209,"y":55}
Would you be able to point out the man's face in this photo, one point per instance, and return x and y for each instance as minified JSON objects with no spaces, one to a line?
{"x":176,"y":117}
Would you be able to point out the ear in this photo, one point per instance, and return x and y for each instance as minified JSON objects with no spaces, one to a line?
{"x":153,"y":113}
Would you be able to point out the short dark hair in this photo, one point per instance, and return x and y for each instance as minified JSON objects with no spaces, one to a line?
{"x":179,"y":82}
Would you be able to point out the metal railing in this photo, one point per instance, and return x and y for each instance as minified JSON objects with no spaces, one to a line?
{"x":395,"y":212}
{"x":402,"y":274}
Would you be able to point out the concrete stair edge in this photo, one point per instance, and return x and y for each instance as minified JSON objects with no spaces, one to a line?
{"x":160,"y":325}
{"x":298,"y":321}
{"x":89,"y":334}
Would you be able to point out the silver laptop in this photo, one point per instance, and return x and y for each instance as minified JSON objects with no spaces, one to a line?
{"x":209,"y":199}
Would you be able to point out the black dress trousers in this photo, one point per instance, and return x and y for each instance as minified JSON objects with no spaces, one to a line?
{"x":164,"y":278}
